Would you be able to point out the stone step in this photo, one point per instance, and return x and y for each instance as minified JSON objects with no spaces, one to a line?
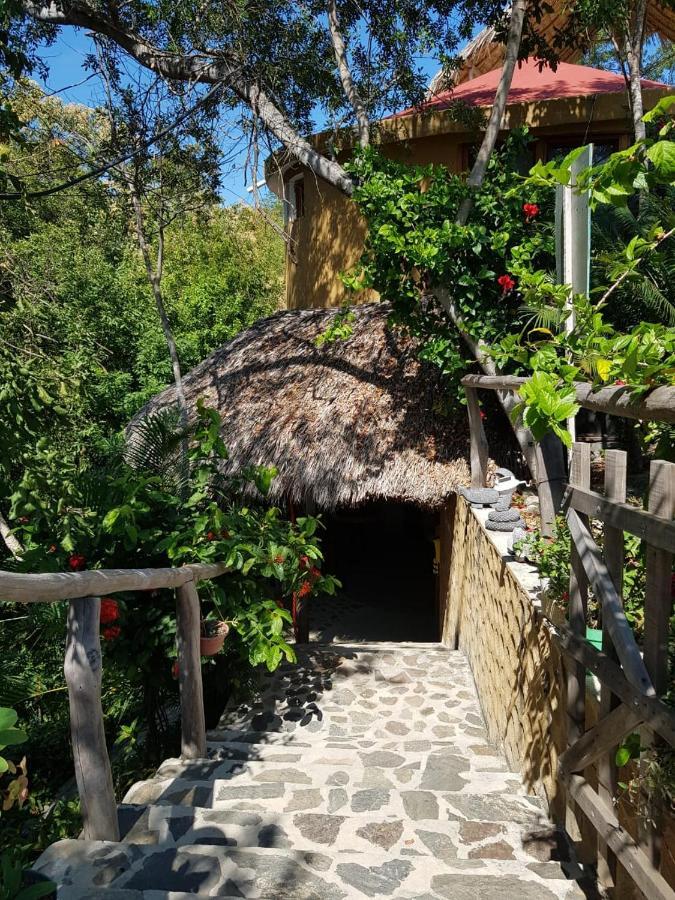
{"x":341,"y":752}
{"x":442,"y":770}
{"x":459,"y":839}
{"x":86,"y":869}
{"x":283,"y":797}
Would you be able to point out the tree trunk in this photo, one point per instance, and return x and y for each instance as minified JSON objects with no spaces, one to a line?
{"x":635,"y":37}
{"x":154,"y":275}
{"x":477,"y":174}
{"x":344,"y":70}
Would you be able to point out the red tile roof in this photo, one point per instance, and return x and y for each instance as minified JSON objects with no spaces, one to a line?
{"x":530,"y":84}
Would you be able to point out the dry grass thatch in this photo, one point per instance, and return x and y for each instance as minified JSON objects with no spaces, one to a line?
{"x":351,"y":421}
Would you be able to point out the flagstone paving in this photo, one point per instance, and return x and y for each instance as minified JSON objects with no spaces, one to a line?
{"x":363,"y":771}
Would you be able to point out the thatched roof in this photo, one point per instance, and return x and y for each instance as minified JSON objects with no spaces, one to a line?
{"x":351,"y":421}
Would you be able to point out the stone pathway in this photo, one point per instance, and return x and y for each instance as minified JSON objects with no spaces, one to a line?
{"x":364,"y":771}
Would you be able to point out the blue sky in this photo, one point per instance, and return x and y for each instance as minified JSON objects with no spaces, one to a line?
{"x":68,"y":75}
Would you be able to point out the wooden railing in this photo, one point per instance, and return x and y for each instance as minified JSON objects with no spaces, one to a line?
{"x":632,"y":680}
{"x":83,"y":668}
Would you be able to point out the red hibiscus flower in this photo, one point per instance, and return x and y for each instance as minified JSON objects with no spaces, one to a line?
{"x":531,"y":211}
{"x":210,"y":536}
{"x":304,"y":562}
{"x":482,"y":415}
{"x":506,"y":283}
{"x":76,"y":562}
{"x":111,"y":632}
{"x":314,"y":573}
{"x":110,"y":611}
{"x":305,"y":588}
{"x":619,"y":382}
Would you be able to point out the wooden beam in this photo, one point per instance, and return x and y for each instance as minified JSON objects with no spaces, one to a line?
{"x":637,"y":864}
{"x":659,"y":569}
{"x":83,"y":668}
{"x":479,"y":445}
{"x":641,"y":523}
{"x":188,"y":626}
{"x":580,"y":474}
{"x":51,"y":587}
{"x":616,"y":469}
{"x":656,"y":406}
{"x":658,"y":609}
{"x":612,"y":606}
{"x":652,"y":711}
{"x":599,"y":740}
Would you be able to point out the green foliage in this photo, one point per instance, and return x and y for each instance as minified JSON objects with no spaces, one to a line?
{"x":498,"y":271}
{"x":546,"y":408}
{"x":12,"y":885}
{"x":340,"y":328}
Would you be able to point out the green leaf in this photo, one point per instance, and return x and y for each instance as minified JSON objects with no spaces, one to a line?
{"x":8,"y":717}
{"x":662,"y":155}
{"x":623,"y":755}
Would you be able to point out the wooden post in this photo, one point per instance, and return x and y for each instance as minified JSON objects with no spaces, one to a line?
{"x":82,"y":668}
{"x":580,"y":474}
{"x":615,"y":489}
{"x":551,"y":478}
{"x":301,"y":619}
{"x":479,"y":444}
{"x":188,"y":624}
{"x":658,"y":609}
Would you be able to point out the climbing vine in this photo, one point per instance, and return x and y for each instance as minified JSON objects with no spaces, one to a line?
{"x":499,"y":269}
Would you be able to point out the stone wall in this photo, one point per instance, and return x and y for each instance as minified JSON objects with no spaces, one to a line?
{"x":517,"y":669}
{"x":488,"y":610}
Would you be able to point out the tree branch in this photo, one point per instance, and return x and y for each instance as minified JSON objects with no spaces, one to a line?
{"x":195,"y":68}
{"x":11,"y":542}
{"x":346,"y":76}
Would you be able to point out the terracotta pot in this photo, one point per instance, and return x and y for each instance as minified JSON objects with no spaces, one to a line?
{"x":209,"y":646}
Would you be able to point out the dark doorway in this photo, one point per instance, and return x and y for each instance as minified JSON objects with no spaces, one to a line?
{"x":383,"y":553}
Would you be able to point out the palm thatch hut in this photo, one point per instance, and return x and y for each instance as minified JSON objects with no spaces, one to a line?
{"x":351,"y":421}
{"x":356,"y":431}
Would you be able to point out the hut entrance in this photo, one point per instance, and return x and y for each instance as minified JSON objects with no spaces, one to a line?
{"x":383,"y":553}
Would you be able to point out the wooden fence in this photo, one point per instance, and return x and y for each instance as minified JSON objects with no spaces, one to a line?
{"x":632,"y":680}
{"x":83,"y":668}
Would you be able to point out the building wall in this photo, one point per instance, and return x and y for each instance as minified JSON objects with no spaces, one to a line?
{"x":329,"y":238}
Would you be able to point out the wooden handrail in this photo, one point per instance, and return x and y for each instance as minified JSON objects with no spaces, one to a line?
{"x":52,"y":587}
{"x":616,"y":400}
{"x":653,"y":529}
{"x":83,"y":667}
{"x":612,"y":606}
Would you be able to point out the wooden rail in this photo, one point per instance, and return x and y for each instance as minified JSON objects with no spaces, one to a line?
{"x":83,"y":668}
{"x":631,"y":680}
{"x":656,"y":406}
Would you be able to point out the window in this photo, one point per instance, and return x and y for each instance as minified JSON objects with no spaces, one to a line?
{"x":299,"y":197}
{"x":602,"y":149}
{"x":294,"y":193}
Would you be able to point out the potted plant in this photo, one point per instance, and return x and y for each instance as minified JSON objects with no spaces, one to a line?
{"x":212,"y":638}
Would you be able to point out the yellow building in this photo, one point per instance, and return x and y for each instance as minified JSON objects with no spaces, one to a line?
{"x":563,"y":109}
